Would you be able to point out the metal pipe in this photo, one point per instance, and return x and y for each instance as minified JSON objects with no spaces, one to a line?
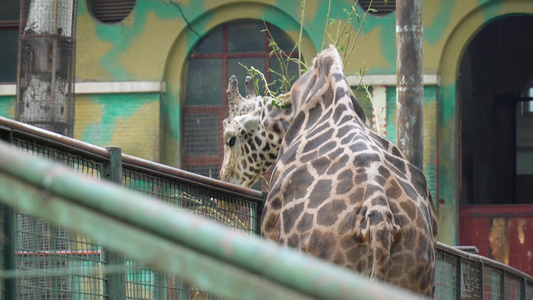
{"x":409,"y":80}
{"x":174,"y":228}
{"x":193,"y":178}
{"x":140,"y":245}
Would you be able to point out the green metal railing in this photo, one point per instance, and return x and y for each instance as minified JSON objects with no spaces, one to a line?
{"x":51,"y":261}
{"x":234,"y":206}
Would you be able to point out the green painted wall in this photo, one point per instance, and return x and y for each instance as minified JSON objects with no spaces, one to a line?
{"x":7,"y":106}
{"x":130,"y":121}
{"x":154,"y":41}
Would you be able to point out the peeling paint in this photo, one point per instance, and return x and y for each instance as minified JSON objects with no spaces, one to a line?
{"x":499,"y":240}
{"x":521,"y":225}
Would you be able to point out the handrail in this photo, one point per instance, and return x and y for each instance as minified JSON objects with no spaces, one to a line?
{"x":173,"y":240}
{"x":197,"y":179}
{"x":25,"y":129}
{"x":485,"y":260}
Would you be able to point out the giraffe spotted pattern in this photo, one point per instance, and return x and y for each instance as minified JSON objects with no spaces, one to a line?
{"x":340,"y":191}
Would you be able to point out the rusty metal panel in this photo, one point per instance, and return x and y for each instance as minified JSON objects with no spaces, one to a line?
{"x":521,"y":241}
{"x":501,"y":232}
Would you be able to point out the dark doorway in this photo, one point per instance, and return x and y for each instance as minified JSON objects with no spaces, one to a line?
{"x":494,"y":87}
{"x":496,"y":124}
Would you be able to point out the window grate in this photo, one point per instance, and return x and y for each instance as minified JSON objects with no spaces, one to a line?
{"x":111,"y":11}
{"x":380,"y":6}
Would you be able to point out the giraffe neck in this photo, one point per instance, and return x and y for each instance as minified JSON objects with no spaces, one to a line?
{"x":275,"y":122}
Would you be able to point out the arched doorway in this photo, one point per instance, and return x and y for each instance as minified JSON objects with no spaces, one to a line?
{"x":496,"y":141}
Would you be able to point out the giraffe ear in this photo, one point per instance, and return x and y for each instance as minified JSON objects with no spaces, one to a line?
{"x":249,"y":122}
{"x":285,"y":98}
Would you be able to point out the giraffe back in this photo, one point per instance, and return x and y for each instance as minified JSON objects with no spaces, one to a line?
{"x":342,"y":192}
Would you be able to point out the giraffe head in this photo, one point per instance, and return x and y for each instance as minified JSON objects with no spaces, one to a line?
{"x":252,"y":134}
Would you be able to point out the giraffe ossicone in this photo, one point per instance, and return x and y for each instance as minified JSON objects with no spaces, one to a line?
{"x":339,"y":190}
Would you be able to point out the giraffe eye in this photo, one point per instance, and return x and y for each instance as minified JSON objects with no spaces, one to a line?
{"x":231,"y":142}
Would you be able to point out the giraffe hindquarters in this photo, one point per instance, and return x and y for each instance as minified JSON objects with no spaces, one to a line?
{"x":413,"y":262}
{"x":403,"y":256}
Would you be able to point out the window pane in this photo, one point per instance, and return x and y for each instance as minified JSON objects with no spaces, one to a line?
{"x":8,"y":55}
{"x":211,"y":43}
{"x":201,"y":134}
{"x":246,"y":37}
{"x":234,"y":68}
{"x":9,"y":10}
{"x":281,"y":38}
{"x":291,"y":75}
{"x":204,"y":85}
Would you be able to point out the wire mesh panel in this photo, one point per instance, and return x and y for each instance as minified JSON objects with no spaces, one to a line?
{"x":202,"y":134}
{"x":73,"y":161}
{"x":512,"y":287}
{"x":470,"y":279}
{"x":145,"y":283}
{"x":46,"y":76}
{"x":239,"y":214}
{"x":492,"y":283}
{"x":529,"y":290}
{"x":225,"y":208}
{"x":445,"y":275}
{"x":63,"y":264}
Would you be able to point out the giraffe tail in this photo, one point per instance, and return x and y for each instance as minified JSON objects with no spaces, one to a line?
{"x":379,"y":231}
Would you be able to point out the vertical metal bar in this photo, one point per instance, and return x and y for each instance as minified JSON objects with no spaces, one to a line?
{"x":458,"y":276}
{"x":482,"y":281}
{"x":10,"y":284}
{"x":260,"y":207}
{"x":524,"y":288}
{"x":502,"y":285}
{"x":409,"y":80}
{"x":72,"y":74}
{"x":115,"y":287}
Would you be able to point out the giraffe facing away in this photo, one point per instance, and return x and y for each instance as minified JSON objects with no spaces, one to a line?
{"x":339,"y":191}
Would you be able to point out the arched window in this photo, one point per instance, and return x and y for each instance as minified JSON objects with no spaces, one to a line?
{"x":9,"y":32}
{"x":214,"y":59}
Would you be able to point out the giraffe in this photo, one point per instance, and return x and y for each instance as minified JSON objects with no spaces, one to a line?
{"x":340,"y":191}
{"x":252,"y":133}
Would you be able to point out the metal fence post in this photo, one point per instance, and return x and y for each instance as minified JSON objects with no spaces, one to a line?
{"x":459,"y":278}
{"x":482,"y":281}
{"x":523,"y":288}
{"x":115,"y":287}
{"x":260,"y":208}
{"x":10,"y":284}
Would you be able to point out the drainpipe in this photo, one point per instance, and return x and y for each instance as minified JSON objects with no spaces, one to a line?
{"x":409,"y":80}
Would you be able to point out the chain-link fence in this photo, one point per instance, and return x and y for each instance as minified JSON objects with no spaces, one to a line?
{"x":66,"y":265}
